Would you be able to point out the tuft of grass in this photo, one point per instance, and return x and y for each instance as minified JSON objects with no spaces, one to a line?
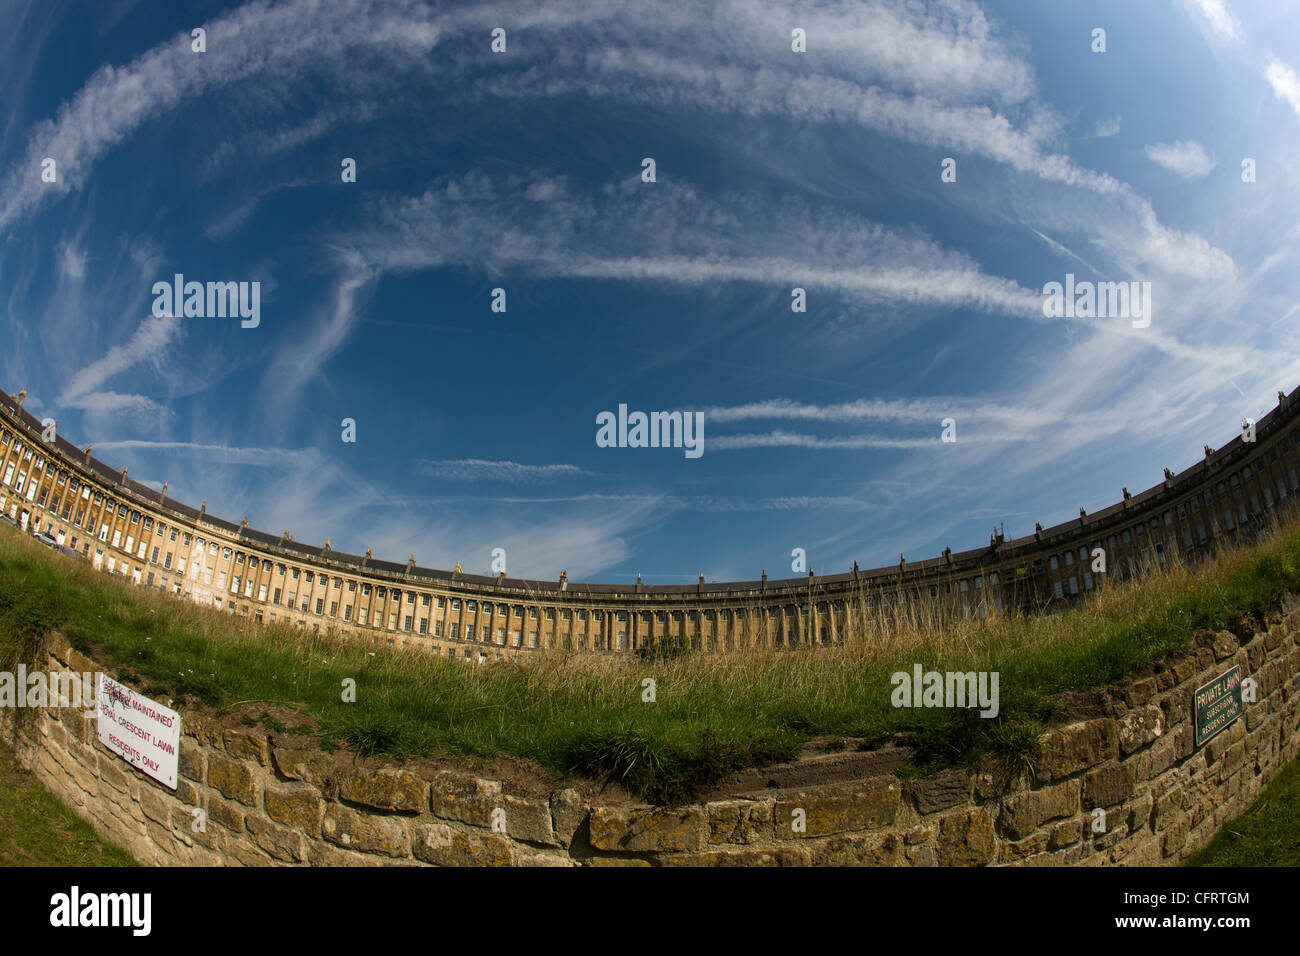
{"x":372,"y":733}
{"x":670,"y":772}
{"x":714,"y":713}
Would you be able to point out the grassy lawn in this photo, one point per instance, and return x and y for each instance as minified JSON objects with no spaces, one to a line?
{"x":37,"y":830}
{"x":1268,"y":834}
{"x":713,"y":712}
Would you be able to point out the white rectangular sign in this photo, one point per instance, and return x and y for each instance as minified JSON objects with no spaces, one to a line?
{"x":142,"y":732}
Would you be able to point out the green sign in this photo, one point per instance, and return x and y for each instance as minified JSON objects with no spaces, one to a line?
{"x":1217,"y":704}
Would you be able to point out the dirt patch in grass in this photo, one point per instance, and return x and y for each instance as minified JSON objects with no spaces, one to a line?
{"x":816,"y":766}
{"x":1087,"y":704}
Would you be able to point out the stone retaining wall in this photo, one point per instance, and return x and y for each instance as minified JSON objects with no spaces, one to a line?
{"x":267,"y":800}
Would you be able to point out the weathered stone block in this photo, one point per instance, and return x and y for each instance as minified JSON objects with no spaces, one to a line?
{"x":1077,"y":746}
{"x":247,"y":745}
{"x":966,"y":839}
{"x":857,"y":849}
{"x":80,"y":663}
{"x":1139,"y":813}
{"x":1139,"y":727}
{"x":162,"y":838}
{"x":1012,"y":851}
{"x":1186,"y":668}
{"x":1022,"y":813}
{"x":1174,"y":838}
{"x":233,"y":779}
{"x":53,"y":729}
{"x":229,"y":816}
{"x":309,"y":766}
{"x":1168,"y":808}
{"x":384,"y":790}
{"x":1234,"y":757}
{"x":739,"y":821}
{"x":529,"y":820}
{"x":245,"y":854}
{"x":299,"y":808}
{"x":1184,"y":742}
{"x":869,"y":806}
{"x":111,"y":775}
{"x":1140,"y":692}
{"x":919,"y":834}
{"x":922,"y":856}
{"x":615,"y":861}
{"x":649,"y":828}
{"x":1275,"y":636}
{"x":190,"y":760}
{"x":1065,"y":834}
{"x":155,"y":806}
{"x":194,"y":824}
{"x":442,"y":845}
{"x":1107,"y":786}
{"x":1225,"y":645}
{"x":205,"y":731}
{"x":940,"y":791}
{"x":1110,"y":838}
{"x":281,"y":843}
{"x":1215,"y":748}
{"x":1162,"y":757}
{"x":324,"y":854}
{"x":997,"y":776}
{"x":454,"y":796}
{"x":780,"y":856}
{"x":568,"y":813}
{"x":346,"y":827}
{"x":538,"y":858}
{"x":75,"y":759}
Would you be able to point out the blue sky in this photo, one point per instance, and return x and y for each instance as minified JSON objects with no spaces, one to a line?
{"x":774,"y":170}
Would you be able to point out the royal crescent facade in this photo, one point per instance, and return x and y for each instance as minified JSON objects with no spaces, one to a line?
{"x":125,"y":527}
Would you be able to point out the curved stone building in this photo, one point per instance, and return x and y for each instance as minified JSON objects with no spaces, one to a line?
{"x":127,"y":528}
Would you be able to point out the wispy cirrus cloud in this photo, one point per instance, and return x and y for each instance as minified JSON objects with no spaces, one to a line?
{"x":84,"y":389}
{"x":932,"y":409}
{"x":1215,"y":15}
{"x":1187,"y":158}
{"x":1106,"y":127}
{"x":511,"y":472}
{"x":1283,"y":79}
{"x":675,"y":236}
{"x":784,"y":439}
{"x":226,"y":454}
